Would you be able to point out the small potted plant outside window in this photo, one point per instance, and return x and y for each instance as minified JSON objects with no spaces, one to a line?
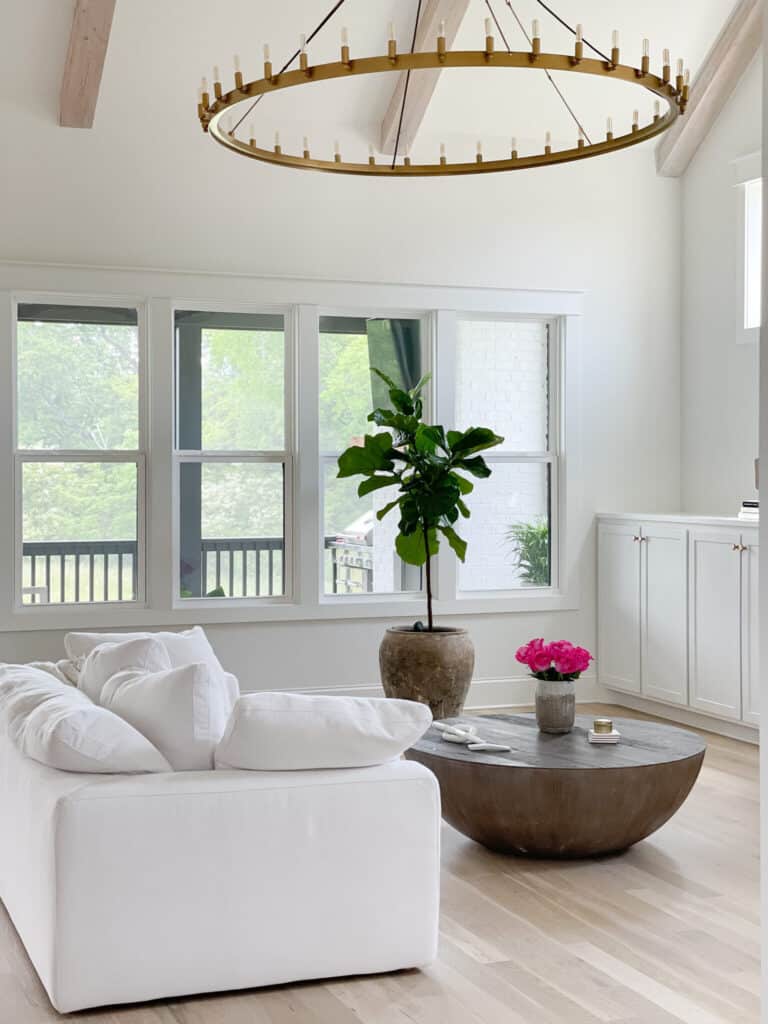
{"x":430,"y":469}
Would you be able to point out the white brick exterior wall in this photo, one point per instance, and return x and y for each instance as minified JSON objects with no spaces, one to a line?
{"x":502,"y":383}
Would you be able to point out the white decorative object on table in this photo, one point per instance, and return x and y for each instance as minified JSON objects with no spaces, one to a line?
{"x":469,"y":736}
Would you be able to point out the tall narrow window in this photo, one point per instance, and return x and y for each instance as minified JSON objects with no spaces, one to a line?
{"x":503,"y":381}
{"x":753,"y":254}
{"x":359,"y":548}
{"x":79,"y":454}
{"x":233,"y":452}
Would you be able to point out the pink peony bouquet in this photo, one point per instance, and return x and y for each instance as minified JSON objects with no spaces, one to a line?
{"x":556,"y":661}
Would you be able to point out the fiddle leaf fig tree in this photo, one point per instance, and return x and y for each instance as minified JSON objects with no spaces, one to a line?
{"x":427,"y":465}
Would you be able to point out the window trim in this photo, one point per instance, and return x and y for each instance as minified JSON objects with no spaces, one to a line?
{"x":159,"y":293}
{"x":138,"y":457}
{"x":427,"y":338}
{"x":285,"y":457}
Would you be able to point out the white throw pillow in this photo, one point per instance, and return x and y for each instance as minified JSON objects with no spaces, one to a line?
{"x":186,"y":648}
{"x":292,"y":732}
{"x":182,"y":711}
{"x":23,"y":688}
{"x":57,"y":725}
{"x":142,"y":654}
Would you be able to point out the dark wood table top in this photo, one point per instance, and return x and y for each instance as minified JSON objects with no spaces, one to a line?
{"x":642,"y":743}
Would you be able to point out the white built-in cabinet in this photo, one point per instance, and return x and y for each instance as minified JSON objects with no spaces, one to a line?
{"x":677,"y":612}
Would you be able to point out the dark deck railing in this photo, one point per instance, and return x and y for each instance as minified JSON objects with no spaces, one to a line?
{"x":88,"y":571}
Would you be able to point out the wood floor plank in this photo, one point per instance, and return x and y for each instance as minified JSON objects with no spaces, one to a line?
{"x":666,"y":933}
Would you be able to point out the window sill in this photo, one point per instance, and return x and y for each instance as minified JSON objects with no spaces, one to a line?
{"x":327,"y":609}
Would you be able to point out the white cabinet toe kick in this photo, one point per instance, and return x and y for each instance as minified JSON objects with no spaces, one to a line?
{"x":677,"y":614}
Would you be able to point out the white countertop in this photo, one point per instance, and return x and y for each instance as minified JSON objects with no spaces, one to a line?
{"x":635,"y":517}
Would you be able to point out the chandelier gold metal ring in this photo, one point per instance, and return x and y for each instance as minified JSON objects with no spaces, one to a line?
{"x":212,"y":110}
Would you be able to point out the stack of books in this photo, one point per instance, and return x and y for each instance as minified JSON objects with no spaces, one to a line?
{"x":750,"y":511}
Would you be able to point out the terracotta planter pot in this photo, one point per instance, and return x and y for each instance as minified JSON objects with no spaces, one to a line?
{"x":433,"y":668}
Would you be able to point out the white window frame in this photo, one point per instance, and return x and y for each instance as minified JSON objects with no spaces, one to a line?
{"x":754,"y":197}
{"x":426,"y":319}
{"x":549,"y":458}
{"x":159,"y":294}
{"x":284,"y":457}
{"x":51,"y":611}
{"x":746,"y":170}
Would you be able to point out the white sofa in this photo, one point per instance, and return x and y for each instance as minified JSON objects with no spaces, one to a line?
{"x":128,"y":888}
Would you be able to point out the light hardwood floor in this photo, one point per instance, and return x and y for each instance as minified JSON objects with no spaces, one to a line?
{"x":667,"y":932}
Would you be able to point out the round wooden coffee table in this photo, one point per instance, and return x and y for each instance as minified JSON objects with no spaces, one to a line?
{"x":561,"y":796}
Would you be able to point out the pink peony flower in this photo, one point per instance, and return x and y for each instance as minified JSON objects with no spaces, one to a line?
{"x":562,"y":655}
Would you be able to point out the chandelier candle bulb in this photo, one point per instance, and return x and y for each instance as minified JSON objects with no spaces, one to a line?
{"x":337,"y":152}
{"x":479,"y":156}
{"x":252,"y":135}
{"x":646,"y":61}
{"x":278,"y":147}
{"x":680,"y":81}
{"x":441,"y":47}
{"x":303,"y":56}
{"x":667,"y":72}
{"x":636,"y":121}
{"x":238,"y":72}
{"x":514,"y":148}
{"x":536,"y":42}
{"x":345,"y":46}
{"x":206,"y":96}
{"x":267,"y":62}
{"x":609,"y":129}
{"x":580,"y":142}
{"x":306,"y":147}
{"x":217,"y":90}
{"x":392,"y":44}
{"x":656,"y":110}
{"x":548,"y":143}
{"x":579,"y":51}
{"x":443,"y":158}
{"x":615,"y":52}
{"x":489,"y":40}
{"x":371,"y":156}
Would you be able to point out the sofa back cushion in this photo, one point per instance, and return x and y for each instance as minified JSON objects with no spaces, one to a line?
{"x":140,"y":654}
{"x":182,"y":711}
{"x":291,"y":731}
{"x":57,"y":725}
{"x":184,"y":648}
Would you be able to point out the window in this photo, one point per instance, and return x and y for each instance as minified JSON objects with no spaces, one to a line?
{"x":233,"y":450}
{"x":753,"y":254}
{"x":504,"y":380}
{"x":359,"y":553}
{"x":79,"y":454}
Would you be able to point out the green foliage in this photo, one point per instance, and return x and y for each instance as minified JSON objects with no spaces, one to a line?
{"x":531,"y":542}
{"x":426,"y":464}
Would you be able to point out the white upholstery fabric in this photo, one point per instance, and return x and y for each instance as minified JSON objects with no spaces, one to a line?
{"x":143,"y":654}
{"x":185,"y":648}
{"x":294,"y":731}
{"x":57,"y":725}
{"x":141,"y":887}
{"x":77,"y":737}
{"x":182,"y":711}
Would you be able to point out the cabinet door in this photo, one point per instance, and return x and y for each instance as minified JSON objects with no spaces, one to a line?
{"x":750,"y":630}
{"x":664,"y":612}
{"x":618,"y":647}
{"x":715,"y":622}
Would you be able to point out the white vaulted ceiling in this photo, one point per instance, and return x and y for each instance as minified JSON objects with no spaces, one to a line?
{"x":145,"y":166}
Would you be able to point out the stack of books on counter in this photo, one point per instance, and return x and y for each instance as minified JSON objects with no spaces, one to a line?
{"x":750,"y":511}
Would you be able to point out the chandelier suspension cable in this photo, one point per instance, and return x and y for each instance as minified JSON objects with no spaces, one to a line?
{"x":570,"y":28}
{"x":552,"y":82}
{"x":290,"y":61}
{"x":407,"y":83}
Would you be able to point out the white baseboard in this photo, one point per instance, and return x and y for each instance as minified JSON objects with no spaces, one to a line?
{"x":484,"y":694}
{"x":684,"y":716}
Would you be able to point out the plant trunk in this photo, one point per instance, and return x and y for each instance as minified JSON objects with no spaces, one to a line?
{"x":429,"y":580}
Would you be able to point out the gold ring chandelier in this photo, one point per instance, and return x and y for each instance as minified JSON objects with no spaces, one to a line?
{"x":214,"y":112}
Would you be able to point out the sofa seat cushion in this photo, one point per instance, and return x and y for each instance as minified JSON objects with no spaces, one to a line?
{"x":57,"y":725}
{"x":139,"y":654}
{"x":292,"y":732}
{"x":182,"y":711}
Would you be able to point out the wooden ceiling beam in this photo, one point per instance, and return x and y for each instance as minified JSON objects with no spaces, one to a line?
{"x":423,"y":84}
{"x":731,"y":54}
{"x":88,"y":41}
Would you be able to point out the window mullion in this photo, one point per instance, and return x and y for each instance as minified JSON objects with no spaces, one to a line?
{"x":308,"y":516}
{"x":446,"y":576}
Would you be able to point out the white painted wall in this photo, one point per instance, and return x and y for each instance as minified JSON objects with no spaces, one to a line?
{"x":607,"y":226}
{"x":719,"y":371}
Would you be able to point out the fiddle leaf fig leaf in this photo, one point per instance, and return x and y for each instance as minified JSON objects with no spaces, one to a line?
{"x":412,"y":549}
{"x":387,"y":509}
{"x":477,"y":466}
{"x":458,"y":544}
{"x":476,"y":439}
{"x":376,"y":483}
